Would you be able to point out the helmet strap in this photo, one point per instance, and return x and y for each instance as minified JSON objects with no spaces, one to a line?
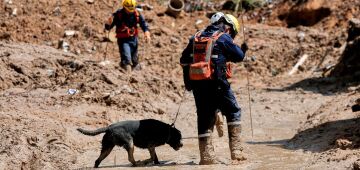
{"x":127,"y":11}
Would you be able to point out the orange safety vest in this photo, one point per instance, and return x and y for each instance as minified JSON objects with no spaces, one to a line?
{"x":202,"y":68}
{"x":124,"y":31}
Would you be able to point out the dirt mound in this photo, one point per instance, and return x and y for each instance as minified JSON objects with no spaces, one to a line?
{"x":36,"y":82}
{"x":349,"y":63}
{"x":306,"y":14}
{"x":332,"y":16}
{"x":332,"y":132}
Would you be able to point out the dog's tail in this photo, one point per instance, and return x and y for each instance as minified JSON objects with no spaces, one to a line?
{"x":92,"y":133}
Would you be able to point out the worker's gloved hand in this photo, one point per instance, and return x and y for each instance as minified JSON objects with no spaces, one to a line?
{"x":147,"y":36}
{"x":107,"y":27}
{"x":244,"y":47}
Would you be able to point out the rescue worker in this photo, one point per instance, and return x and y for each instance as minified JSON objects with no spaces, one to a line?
{"x":206,"y":70}
{"x":126,"y":21}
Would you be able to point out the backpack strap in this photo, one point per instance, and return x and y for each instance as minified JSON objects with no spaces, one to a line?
{"x":216,"y":35}
{"x":137,"y":15}
{"x":196,"y":38}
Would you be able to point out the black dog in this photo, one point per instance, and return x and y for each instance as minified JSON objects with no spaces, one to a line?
{"x":148,"y":133}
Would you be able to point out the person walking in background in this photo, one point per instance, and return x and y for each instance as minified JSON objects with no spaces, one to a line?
{"x":126,"y":21}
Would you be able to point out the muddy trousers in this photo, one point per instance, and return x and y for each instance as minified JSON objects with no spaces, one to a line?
{"x":210,"y":99}
{"x":128,"y":48}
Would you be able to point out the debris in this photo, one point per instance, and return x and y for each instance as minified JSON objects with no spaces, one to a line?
{"x":50,"y":72}
{"x":32,"y":141}
{"x":105,"y":62}
{"x":78,"y":51}
{"x":299,"y":63}
{"x":301,"y":36}
{"x":353,"y":88}
{"x":90,"y":1}
{"x":174,"y":40}
{"x":145,"y":7}
{"x":199,"y":21}
{"x":57,"y":11}
{"x":14,"y":12}
{"x":274,"y":71}
{"x":125,"y":88}
{"x":64,"y":45}
{"x":343,"y":143}
{"x":253,"y":58}
{"x":70,"y":33}
{"x":72,"y":91}
{"x":174,"y":8}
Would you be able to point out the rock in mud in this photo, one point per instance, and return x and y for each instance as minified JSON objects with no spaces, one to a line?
{"x":90,"y":1}
{"x":343,"y":144}
{"x":63,"y":45}
{"x":70,"y":33}
{"x":160,"y":111}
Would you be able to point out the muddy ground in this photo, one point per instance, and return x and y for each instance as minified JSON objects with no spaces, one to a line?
{"x":302,"y":121}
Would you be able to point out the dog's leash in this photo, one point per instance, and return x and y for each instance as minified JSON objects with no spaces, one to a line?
{"x":178,"y":110}
{"x":190,"y":137}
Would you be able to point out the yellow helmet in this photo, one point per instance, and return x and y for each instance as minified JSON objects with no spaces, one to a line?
{"x":129,"y":5}
{"x":230,"y":19}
